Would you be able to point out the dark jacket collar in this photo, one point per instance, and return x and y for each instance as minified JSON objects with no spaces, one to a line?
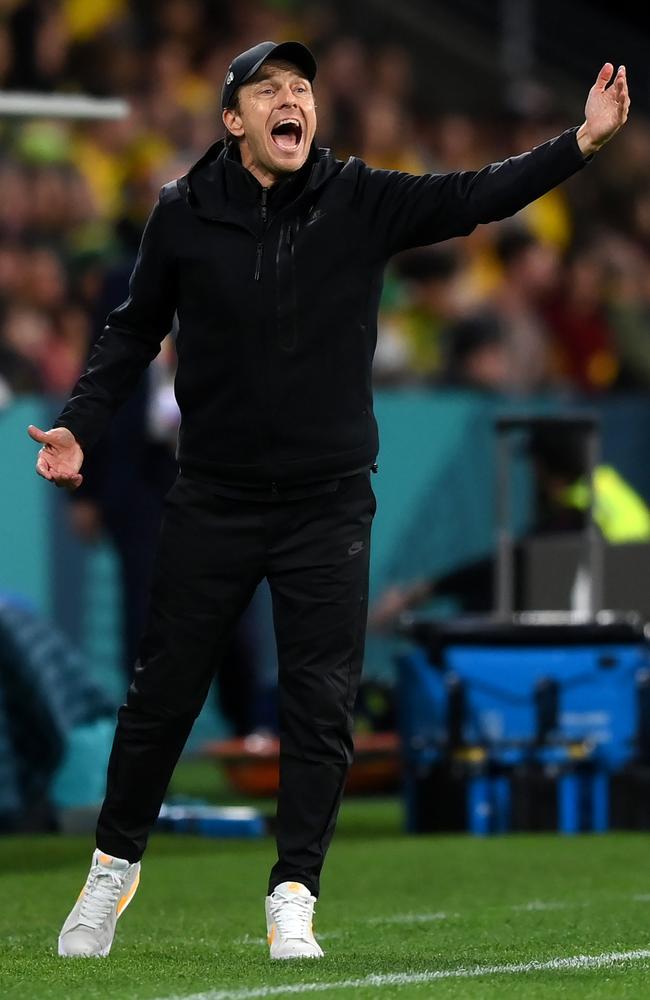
{"x":221,"y":189}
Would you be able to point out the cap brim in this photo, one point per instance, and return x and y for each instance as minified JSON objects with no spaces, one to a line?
{"x":293,"y":52}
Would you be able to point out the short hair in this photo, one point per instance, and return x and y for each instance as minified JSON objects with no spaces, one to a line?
{"x":512,"y":243}
{"x":470,"y":334}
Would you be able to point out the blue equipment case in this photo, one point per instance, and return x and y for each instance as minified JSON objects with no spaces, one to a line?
{"x":528,"y":721}
{"x":499,"y":706}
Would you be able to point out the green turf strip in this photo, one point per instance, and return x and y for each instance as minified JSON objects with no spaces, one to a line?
{"x":391,"y":905}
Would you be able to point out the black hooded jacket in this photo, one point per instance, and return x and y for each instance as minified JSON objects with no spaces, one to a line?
{"x":277,"y":293}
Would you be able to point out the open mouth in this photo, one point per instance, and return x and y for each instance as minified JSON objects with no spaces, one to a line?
{"x":287,"y":134}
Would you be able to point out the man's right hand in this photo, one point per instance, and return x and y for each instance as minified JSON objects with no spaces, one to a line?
{"x":60,"y":457}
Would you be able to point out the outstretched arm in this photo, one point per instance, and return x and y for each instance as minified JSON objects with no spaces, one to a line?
{"x":403,"y":210}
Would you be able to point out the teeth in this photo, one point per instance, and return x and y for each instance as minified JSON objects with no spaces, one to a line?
{"x":288,"y":121}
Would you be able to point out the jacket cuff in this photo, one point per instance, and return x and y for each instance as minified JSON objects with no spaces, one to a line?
{"x":583,"y":158}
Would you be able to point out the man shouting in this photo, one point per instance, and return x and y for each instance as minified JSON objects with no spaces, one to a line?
{"x":271,"y":253}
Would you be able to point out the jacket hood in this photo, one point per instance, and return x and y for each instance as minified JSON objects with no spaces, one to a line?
{"x":220,"y":188}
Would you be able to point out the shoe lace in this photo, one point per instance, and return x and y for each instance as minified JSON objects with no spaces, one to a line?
{"x":100,"y":896}
{"x":292,"y":916}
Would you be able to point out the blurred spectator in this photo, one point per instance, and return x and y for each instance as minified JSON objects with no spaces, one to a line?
{"x":45,"y":693}
{"x":386,"y":136}
{"x":26,"y":333}
{"x":344,"y":72}
{"x":6,"y":54}
{"x":529,"y":273}
{"x":477,"y":355}
{"x":41,"y":41}
{"x":410,"y":339}
{"x":564,"y":493}
{"x":393,"y":73}
{"x":456,"y":143}
{"x":18,"y":374}
{"x":584,"y":341}
{"x":183,"y":20}
{"x":628,"y":269}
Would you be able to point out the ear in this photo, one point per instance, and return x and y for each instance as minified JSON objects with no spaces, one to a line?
{"x":233,"y":122}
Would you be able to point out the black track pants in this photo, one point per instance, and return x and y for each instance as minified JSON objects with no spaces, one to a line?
{"x":212,"y":554}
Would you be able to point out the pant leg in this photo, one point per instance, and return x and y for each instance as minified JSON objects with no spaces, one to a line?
{"x":318,"y":574}
{"x":236,"y":683}
{"x":134,"y":532}
{"x":209,"y":562}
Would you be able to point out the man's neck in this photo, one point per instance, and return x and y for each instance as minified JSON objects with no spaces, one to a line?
{"x":261,"y":174}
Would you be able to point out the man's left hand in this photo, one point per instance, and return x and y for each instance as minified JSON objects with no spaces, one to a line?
{"x":605,"y":111}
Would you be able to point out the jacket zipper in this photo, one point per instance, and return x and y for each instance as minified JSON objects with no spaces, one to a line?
{"x":260,"y":245}
{"x":292,"y":278}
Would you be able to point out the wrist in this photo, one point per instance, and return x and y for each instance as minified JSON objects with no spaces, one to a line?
{"x":587,"y":146}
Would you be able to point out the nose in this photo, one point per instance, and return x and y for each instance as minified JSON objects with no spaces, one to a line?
{"x":287,"y":97}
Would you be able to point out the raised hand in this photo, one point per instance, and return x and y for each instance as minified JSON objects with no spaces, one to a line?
{"x":60,"y":457}
{"x":606,"y":109}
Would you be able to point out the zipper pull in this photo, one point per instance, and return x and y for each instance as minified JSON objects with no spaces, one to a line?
{"x":258,"y":261}
{"x":289,"y":235}
{"x":274,"y":489}
{"x":265,"y":194}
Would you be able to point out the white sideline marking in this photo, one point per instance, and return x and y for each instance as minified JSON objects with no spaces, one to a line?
{"x":409,"y":978}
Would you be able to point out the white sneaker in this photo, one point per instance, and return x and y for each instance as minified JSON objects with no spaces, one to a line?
{"x":289,"y":916}
{"x":89,"y":930}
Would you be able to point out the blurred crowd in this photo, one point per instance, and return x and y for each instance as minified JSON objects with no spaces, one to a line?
{"x":556,"y":299}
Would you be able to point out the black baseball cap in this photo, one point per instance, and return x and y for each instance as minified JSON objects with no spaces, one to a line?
{"x":247,"y":63}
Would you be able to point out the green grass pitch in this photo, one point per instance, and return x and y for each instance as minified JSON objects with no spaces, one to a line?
{"x":427,"y":916}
